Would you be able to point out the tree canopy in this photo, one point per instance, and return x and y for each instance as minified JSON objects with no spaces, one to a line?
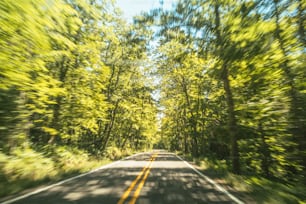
{"x":223,"y":79}
{"x":232,"y":82}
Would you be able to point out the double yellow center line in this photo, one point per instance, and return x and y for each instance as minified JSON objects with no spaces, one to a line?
{"x":143,"y":174}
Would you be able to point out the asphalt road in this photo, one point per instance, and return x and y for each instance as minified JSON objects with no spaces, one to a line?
{"x":154,"y":177}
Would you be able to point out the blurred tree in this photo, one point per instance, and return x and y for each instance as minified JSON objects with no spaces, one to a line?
{"x":69,"y":71}
{"x":26,"y":86}
{"x":251,"y":62}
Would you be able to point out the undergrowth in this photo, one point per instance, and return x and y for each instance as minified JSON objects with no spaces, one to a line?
{"x":115,"y":153}
{"x":24,"y":167}
{"x":260,"y":189}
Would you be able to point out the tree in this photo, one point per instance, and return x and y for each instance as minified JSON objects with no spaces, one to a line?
{"x":26,"y":86}
{"x":244,"y":50}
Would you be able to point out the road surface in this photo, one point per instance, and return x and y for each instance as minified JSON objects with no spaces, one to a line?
{"x":146,"y":178}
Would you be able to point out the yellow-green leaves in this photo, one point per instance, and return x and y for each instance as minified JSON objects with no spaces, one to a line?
{"x":240,"y":65}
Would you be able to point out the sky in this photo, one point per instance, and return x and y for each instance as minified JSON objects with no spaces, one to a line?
{"x":131,"y":8}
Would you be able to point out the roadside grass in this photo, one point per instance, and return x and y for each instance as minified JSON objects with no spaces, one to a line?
{"x":25,"y":168}
{"x":260,"y":189}
{"x":114,"y":153}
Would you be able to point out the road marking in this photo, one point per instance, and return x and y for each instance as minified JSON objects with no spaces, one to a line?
{"x":144,"y":172}
{"x":128,"y":191}
{"x":220,"y":188}
{"x":140,"y":185}
{"x":66,"y":180}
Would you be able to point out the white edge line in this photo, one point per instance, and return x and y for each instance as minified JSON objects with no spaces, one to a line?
{"x":66,"y":180}
{"x":220,"y":188}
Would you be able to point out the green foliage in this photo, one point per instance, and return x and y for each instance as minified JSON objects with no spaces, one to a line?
{"x":74,"y":77}
{"x":76,"y":73}
{"x":25,"y":168}
{"x":22,"y":164}
{"x":71,"y":84}
{"x":114,"y":153}
{"x":268,"y":191}
{"x":231,"y":85}
{"x":259,"y":189}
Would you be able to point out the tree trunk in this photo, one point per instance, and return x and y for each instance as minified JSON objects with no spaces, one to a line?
{"x":57,"y":106}
{"x":186,"y":146}
{"x":301,"y":19}
{"x":232,"y":126}
{"x":296,"y":117}
{"x":266,"y":156}
{"x":126,"y":137}
{"x":110,"y":126}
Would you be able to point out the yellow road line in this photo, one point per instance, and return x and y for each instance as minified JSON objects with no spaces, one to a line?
{"x":128,"y":191}
{"x":140,"y":185}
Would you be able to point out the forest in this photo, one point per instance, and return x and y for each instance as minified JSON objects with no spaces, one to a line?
{"x":218,"y":80}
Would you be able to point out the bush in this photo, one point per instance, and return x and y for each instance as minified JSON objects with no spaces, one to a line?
{"x":69,"y":159}
{"x":25,"y":168}
{"x":28,"y":164}
{"x":113,"y":153}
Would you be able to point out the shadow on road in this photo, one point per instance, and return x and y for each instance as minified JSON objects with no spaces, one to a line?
{"x":170,"y":181}
{"x":147,"y":156}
